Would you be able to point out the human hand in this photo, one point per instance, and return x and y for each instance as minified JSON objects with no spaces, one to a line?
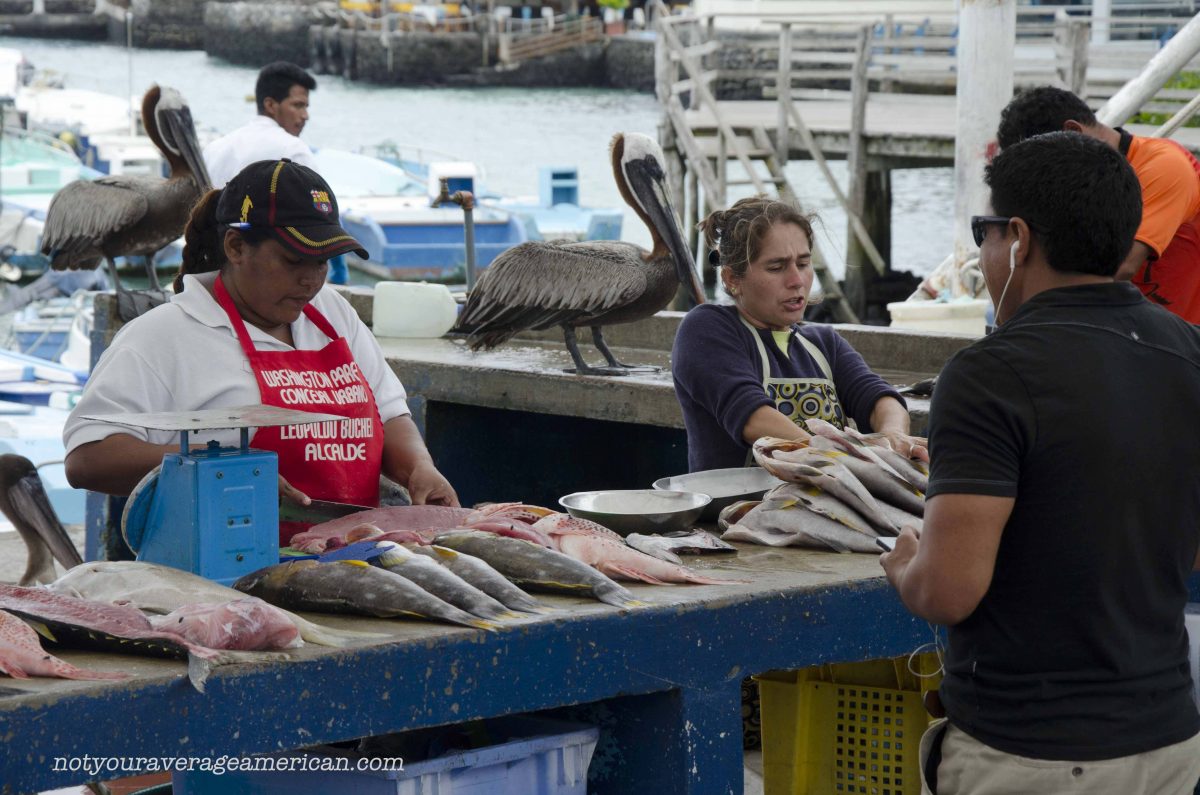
{"x":427,"y":486}
{"x":895,"y":562}
{"x":288,"y":491}
{"x":911,"y":446}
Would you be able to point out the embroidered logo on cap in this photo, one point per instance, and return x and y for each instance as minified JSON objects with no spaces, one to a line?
{"x":247,"y":205}
{"x":321,"y":201}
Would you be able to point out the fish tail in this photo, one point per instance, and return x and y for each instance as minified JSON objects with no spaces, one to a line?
{"x":628,"y":573}
{"x":615,"y":595}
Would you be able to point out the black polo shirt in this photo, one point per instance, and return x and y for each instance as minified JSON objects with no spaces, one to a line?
{"x":1085,"y":407}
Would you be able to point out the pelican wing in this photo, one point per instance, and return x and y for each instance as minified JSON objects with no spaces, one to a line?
{"x":537,"y":285}
{"x":84,"y":214}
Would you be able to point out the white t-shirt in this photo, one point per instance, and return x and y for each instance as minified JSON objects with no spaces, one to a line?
{"x":261,"y":139}
{"x":185,"y":356}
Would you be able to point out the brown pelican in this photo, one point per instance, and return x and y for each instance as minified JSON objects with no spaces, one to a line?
{"x":537,"y":285}
{"x":23,"y":501}
{"x":128,"y":215}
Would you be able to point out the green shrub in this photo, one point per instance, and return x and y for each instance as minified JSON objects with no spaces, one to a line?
{"x":1184,"y":80}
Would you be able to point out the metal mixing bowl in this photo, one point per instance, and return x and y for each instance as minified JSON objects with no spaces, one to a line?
{"x":725,"y":486}
{"x":637,"y":510}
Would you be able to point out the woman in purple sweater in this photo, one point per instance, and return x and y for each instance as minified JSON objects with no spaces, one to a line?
{"x":755,"y":369}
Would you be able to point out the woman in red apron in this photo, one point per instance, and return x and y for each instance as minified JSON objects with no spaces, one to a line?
{"x":260,"y":247}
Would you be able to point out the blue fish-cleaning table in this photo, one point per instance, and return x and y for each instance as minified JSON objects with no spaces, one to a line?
{"x":663,"y":678}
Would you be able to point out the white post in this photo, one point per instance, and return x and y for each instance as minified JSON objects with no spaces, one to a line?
{"x":986,"y":39}
{"x":1101,"y":14}
{"x":1166,"y":63}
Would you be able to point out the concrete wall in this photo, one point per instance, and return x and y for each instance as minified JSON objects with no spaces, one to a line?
{"x":629,"y":63}
{"x":255,"y":34}
{"x":412,"y":57}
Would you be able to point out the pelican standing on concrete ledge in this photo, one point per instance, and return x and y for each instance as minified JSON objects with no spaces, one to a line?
{"x":128,"y":215}
{"x":23,"y":502}
{"x":537,"y":285}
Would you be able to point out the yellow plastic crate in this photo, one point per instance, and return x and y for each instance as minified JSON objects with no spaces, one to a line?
{"x":845,"y":729}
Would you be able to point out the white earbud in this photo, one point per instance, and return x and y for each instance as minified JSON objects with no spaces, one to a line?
{"x":1012,"y":269}
{"x":1012,"y":256}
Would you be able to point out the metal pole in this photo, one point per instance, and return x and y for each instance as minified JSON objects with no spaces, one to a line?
{"x":986,"y":39}
{"x":1101,"y":14}
{"x":783,"y":86}
{"x":1167,"y":63}
{"x":469,"y":237}
{"x":1165,"y":131}
{"x":129,"y":59}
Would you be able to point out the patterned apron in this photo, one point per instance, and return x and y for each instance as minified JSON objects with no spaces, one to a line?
{"x":800,"y":399}
{"x":338,"y":461}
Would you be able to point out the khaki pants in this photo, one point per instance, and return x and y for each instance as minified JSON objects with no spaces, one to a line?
{"x":969,"y":767}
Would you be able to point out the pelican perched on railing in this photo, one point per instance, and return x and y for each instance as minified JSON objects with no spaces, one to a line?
{"x":128,"y":215}
{"x":23,"y":502}
{"x":537,"y":285}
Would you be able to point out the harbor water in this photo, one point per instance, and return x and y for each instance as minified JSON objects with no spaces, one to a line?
{"x":509,"y":132}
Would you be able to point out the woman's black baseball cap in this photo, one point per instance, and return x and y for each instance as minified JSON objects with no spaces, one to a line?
{"x":291,"y":202}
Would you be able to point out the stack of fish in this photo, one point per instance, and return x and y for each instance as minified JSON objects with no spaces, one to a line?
{"x":842,"y":491}
{"x":456,"y":565}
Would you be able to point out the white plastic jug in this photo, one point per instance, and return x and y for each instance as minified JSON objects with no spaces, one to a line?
{"x":413,"y":309}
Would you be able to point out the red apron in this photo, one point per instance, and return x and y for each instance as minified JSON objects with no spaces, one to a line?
{"x":338,"y":461}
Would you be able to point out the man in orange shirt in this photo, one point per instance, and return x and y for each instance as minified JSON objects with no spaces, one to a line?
{"x":1164,"y":262}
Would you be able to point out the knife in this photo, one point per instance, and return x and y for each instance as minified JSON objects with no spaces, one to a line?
{"x":318,"y":511}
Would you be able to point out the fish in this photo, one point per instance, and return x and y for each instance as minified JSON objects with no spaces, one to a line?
{"x":533,"y":566}
{"x":609,"y":554}
{"x":408,"y":524}
{"x":246,"y":624}
{"x":731,"y":513}
{"x":162,"y":589}
{"x":790,"y":522}
{"x":439,"y":581}
{"x":479,"y":572}
{"x":509,"y":510}
{"x":668,"y":546}
{"x":413,"y":518}
{"x":882,"y":481}
{"x":804,"y":465}
{"x":818,"y":501}
{"x":877,"y":447}
{"x":121,"y":628}
{"x":22,"y":655}
{"x":350,"y":586}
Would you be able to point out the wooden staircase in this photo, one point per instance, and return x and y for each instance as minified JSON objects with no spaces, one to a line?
{"x":515,"y":47}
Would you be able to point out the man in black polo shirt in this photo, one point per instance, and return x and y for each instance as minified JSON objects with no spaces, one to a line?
{"x":1064,"y":501}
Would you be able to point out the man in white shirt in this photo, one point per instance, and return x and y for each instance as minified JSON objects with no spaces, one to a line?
{"x":281,"y":93}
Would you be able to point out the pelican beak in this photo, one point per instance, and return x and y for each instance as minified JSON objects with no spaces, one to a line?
{"x":179,"y":134}
{"x":29,"y":502}
{"x":649,"y":186}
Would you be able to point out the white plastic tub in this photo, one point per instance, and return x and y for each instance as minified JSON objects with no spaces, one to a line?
{"x":956,"y":317}
{"x":413,"y":309}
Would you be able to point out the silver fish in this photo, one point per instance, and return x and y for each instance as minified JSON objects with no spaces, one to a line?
{"x":874,"y":446}
{"x":479,"y":572}
{"x":685,"y":542}
{"x":350,"y":586}
{"x":535,"y":566}
{"x":440,"y":581}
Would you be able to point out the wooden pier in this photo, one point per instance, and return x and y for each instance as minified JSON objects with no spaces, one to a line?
{"x":877,"y":93}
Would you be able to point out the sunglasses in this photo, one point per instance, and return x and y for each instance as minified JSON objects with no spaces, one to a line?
{"x":980,"y":223}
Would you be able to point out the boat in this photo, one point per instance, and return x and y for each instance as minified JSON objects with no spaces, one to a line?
{"x":406,"y":236}
{"x":554,"y":214}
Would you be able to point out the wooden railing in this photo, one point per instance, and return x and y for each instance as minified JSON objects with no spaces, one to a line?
{"x":570,"y":33}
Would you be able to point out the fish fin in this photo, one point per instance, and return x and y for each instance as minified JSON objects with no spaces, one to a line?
{"x":42,"y":630}
{"x":13,"y":670}
{"x":362,"y":563}
{"x":627,"y":572}
{"x":444,"y":552}
{"x":198,"y":671}
{"x":479,"y":623}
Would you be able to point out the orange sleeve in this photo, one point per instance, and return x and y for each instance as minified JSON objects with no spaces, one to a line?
{"x":1170,"y":192}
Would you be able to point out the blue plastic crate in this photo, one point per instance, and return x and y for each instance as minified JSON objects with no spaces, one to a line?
{"x":545,"y":757}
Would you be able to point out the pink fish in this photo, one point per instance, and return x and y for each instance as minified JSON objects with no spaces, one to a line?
{"x":607,"y":552}
{"x":511,"y":528}
{"x":22,"y":656}
{"x":509,"y":510}
{"x":247,"y":624}
{"x":112,"y":627}
{"x":330,"y":535}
